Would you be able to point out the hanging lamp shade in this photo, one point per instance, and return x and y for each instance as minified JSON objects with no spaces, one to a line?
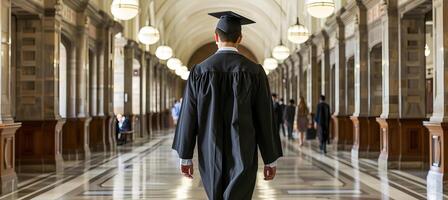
{"x":181,"y":70}
{"x":148,"y":35}
{"x":185,"y":75}
{"x":164,"y":52}
{"x":280,"y":52}
{"x":298,"y":33}
{"x":270,"y":64}
{"x":124,"y":9}
{"x":320,"y":8}
{"x":174,"y":63}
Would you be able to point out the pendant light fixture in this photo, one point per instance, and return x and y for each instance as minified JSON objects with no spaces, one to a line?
{"x":148,"y":34}
{"x":164,"y":52}
{"x":280,"y":52}
{"x":298,"y":33}
{"x":320,"y":8}
{"x":270,"y":64}
{"x":185,"y":75}
{"x":124,"y":9}
{"x":174,"y":63}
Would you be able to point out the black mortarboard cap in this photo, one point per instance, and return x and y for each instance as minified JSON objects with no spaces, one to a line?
{"x":230,"y":22}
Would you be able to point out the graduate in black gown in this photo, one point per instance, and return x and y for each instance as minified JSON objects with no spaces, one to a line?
{"x":322,"y":120}
{"x":227,"y":111}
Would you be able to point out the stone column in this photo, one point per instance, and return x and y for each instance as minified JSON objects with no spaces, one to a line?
{"x":414,"y":148}
{"x":389,"y":127}
{"x":360,"y":116}
{"x":339,"y":115}
{"x":313,"y":76}
{"x":108,"y":33}
{"x":99,"y":137}
{"x":76,"y":130}
{"x":38,"y":141}
{"x":325,"y":67}
{"x":8,"y":128}
{"x":438,"y":124}
{"x":148,"y":94}
{"x":130,"y":53}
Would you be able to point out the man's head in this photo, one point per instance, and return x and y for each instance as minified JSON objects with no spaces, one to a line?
{"x":281,"y":100}
{"x":119,"y":117}
{"x":322,"y":98}
{"x":274,"y":96}
{"x":228,"y":29}
{"x":292,"y":101}
{"x":227,"y":39}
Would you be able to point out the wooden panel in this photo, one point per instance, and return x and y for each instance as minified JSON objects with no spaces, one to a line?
{"x":38,"y":143}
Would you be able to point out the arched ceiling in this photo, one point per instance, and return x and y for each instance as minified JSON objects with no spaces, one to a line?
{"x":186,"y":25}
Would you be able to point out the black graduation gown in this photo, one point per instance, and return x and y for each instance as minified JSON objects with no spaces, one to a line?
{"x":323,"y":117}
{"x":227,"y":110}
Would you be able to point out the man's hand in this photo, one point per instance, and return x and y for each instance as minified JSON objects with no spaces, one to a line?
{"x":187,"y":171}
{"x":269,"y":173}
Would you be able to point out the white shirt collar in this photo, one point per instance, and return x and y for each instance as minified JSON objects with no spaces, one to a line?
{"x":228,"y":49}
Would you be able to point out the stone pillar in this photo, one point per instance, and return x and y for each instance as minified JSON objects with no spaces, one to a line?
{"x":325,"y":67}
{"x":413,"y":136}
{"x":375,"y":102}
{"x":313,"y":76}
{"x":360,"y":116}
{"x":438,"y":123}
{"x":339,"y":115}
{"x":8,"y":128}
{"x":76,"y":130}
{"x":148,"y":94}
{"x":38,"y":141}
{"x":99,"y":130}
{"x":130,"y":53}
{"x":389,"y":127}
{"x":108,"y":33}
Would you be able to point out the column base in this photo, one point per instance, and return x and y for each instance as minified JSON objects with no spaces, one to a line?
{"x":111,"y":135}
{"x":338,"y":132}
{"x":438,"y":136}
{"x":360,"y":124}
{"x":8,"y":176}
{"x":39,"y":146}
{"x":349,"y":137}
{"x":389,"y":137}
{"x":76,"y":139}
{"x":434,"y":184}
{"x":97,"y":134}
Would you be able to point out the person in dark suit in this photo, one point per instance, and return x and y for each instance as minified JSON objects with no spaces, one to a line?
{"x":123,"y":125}
{"x":281,"y":110}
{"x":322,"y":123}
{"x":288,"y":117}
{"x":276,"y":113}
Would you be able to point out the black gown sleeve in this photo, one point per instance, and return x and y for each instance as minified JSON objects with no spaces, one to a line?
{"x":187,"y":125}
{"x":268,"y":142}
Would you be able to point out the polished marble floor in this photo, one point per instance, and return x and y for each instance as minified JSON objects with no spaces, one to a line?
{"x":148,"y":169}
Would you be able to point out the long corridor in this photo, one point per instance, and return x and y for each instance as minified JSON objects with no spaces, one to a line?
{"x":148,"y":169}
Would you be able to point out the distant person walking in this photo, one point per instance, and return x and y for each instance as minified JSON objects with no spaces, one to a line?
{"x":288,"y":117}
{"x":302,"y":119}
{"x":281,"y":110}
{"x":277,"y":114}
{"x":322,"y":123}
{"x":175,"y":110}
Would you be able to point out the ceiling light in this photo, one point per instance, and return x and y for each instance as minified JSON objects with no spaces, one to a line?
{"x":320,"y":8}
{"x":124,"y":9}
{"x":148,"y":35}
{"x":280,"y":52}
{"x":164,"y":52}
{"x":270,"y":64}
{"x":174,"y":63}
{"x":298,"y":33}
